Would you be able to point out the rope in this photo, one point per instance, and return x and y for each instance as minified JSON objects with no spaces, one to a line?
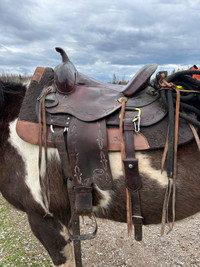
{"x":191,"y":104}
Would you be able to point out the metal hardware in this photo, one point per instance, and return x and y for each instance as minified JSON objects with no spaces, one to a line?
{"x":122,"y":98}
{"x":52,"y":129}
{"x":136,"y":120}
{"x":138,"y":216}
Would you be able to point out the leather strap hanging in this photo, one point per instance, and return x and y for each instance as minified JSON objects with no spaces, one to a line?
{"x":75,"y":225}
{"x":196,"y":136}
{"x":173,"y":163}
{"x":60,"y":142}
{"x":133,"y":181}
{"x":131,"y":174}
{"x":44,"y":182}
{"x":59,"y":139}
{"x":123,"y":156}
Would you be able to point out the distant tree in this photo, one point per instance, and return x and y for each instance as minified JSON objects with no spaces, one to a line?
{"x":115,"y":79}
{"x":123,"y":81}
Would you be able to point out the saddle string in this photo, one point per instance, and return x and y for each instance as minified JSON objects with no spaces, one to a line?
{"x":168,"y":156}
{"x":44,"y":181}
{"x":40,"y":159}
{"x":171,"y":124}
{"x":171,"y":153}
{"x":175,"y":151}
{"x":164,"y":155}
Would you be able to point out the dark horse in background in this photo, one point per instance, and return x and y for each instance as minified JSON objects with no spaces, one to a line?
{"x":20,"y":186}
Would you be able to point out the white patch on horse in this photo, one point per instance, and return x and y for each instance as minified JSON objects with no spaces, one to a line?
{"x":104,"y":201}
{"x":115,"y":164}
{"x":30,"y":154}
{"x":144,"y":165}
{"x":146,"y":169}
{"x":68,"y":250}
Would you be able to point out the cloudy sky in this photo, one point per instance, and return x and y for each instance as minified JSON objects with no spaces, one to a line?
{"x":102,"y":37}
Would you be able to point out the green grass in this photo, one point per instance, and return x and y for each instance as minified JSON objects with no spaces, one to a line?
{"x":18,"y":246}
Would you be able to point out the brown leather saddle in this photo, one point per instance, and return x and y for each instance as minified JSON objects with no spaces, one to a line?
{"x":83,"y":117}
{"x":75,"y":94}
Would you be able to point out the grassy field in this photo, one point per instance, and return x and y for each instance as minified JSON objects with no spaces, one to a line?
{"x":111,"y":247}
{"x":18,"y":246}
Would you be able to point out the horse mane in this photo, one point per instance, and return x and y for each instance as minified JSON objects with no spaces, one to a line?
{"x":8,"y":88}
{"x":11,"y":96}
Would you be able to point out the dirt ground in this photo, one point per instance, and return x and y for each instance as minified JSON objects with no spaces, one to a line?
{"x":111,"y":247}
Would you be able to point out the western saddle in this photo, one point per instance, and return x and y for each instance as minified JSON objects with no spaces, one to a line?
{"x":85,"y":119}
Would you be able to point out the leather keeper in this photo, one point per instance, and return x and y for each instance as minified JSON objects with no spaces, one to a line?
{"x":133,"y":181}
{"x":83,"y":200}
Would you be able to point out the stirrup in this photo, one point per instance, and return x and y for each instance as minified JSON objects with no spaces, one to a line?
{"x":83,"y":236}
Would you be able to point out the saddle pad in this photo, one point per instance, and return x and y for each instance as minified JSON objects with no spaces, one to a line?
{"x":41,"y":78}
{"x":156,"y":133}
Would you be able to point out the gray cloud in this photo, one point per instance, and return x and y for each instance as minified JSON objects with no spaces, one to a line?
{"x":101,"y":38}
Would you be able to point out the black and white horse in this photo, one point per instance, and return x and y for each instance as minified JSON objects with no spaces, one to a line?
{"x":19,"y":183}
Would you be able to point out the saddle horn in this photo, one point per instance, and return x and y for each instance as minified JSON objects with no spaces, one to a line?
{"x":65,"y":74}
{"x":63,"y":54}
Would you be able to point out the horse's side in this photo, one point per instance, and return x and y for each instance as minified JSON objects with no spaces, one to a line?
{"x":19,"y":183}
